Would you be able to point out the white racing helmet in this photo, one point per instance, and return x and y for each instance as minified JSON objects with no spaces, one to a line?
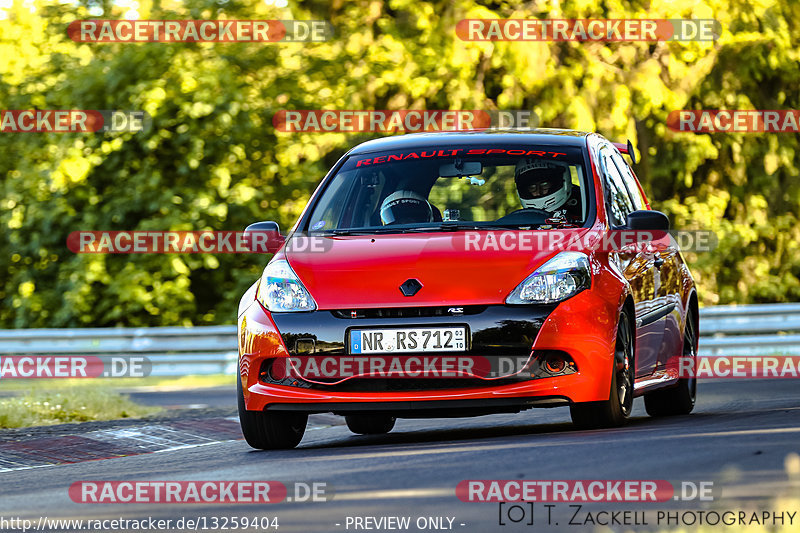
{"x":405,"y":207}
{"x":541,"y":184}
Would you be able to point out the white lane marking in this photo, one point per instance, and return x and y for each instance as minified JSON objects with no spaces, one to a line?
{"x":527,"y":444}
{"x":172,"y":449}
{"x":151,"y":437}
{"x":145,"y":439}
{"x":25,"y":468}
{"x":445,"y":448}
{"x":188,"y":446}
{"x":740,"y":432}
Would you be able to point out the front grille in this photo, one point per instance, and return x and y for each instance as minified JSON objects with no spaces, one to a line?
{"x":536,"y":370}
{"x":411,"y":384}
{"x":410,"y":312}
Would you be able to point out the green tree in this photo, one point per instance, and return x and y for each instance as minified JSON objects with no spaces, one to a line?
{"x":211,"y":158}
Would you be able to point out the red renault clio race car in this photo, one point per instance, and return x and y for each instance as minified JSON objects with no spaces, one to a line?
{"x":463,"y":274}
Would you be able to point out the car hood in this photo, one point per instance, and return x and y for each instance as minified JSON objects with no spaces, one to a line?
{"x":366,"y":271}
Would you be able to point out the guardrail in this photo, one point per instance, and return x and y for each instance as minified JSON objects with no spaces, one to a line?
{"x":764,"y":329}
{"x":724,"y":330}
{"x":172,"y":351}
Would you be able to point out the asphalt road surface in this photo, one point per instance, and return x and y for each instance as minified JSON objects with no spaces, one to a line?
{"x":743,"y":437}
{"x":215,"y":397}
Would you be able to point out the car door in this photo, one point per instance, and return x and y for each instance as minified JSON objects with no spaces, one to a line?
{"x":668,"y":277}
{"x":638,"y":263}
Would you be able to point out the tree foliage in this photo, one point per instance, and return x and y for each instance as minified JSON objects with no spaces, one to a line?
{"x":211,"y":158}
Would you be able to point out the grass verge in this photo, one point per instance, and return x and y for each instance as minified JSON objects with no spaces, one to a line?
{"x":75,"y":404}
{"x":166,"y":382}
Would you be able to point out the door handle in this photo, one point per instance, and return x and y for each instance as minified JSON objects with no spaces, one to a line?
{"x":658,"y":261}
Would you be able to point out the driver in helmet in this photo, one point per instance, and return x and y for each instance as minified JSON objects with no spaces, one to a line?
{"x":544,"y":185}
{"x":405,"y":207}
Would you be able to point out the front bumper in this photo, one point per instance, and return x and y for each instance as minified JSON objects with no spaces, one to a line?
{"x":495,"y":330}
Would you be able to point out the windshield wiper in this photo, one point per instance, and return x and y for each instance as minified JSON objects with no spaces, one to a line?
{"x":391,"y":229}
{"x":362,"y":231}
{"x":445,"y":226}
{"x":458,"y":226}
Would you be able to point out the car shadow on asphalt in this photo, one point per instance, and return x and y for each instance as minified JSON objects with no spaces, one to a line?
{"x":490,"y":427}
{"x":460,"y":434}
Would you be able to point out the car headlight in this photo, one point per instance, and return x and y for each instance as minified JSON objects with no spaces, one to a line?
{"x":562,"y":277}
{"x":281,"y":290}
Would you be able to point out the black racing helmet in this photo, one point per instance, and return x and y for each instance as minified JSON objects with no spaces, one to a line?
{"x":405,"y":207}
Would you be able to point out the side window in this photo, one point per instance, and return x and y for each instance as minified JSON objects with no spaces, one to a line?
{"x":618,"y":201}
{"x":332,"y":214}
{"x":630,"y":181}
{"x":364,"y":211}
{"x":354,"y":197}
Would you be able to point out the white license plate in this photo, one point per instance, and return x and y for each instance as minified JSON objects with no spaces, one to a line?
{"x":408,"y":340}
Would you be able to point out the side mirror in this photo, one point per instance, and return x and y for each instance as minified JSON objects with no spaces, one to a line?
{"x":631,"y":151}
{"x":648,"y":221}
{"x":627,"y":149}
{"x":263,"y":237}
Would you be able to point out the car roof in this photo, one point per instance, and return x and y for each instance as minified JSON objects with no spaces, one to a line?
{"x":540,"y":136}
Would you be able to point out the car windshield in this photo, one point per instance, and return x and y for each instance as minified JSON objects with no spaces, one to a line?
{"x":436,"y":188}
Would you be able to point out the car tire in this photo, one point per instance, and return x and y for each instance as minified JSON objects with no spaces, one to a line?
{"x":680,"y":399}
{"x":270,"y":430}
{"x":370,"y":424}
{"x":617,"y":409}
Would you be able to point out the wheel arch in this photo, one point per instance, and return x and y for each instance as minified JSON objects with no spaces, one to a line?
{"x":630,"y":307}
{"x":693,"y":306}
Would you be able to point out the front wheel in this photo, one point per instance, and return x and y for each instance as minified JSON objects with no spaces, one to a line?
{"x":680,"y":399}
{"x":270,"y":430}
{"x":370,"y":424}
{"x":617,"y":409}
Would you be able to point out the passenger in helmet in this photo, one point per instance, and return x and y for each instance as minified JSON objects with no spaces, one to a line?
{"x":405,"y":207}
{"x":544,"y":185}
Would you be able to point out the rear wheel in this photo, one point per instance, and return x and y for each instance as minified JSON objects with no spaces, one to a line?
{"x":680,"y":399}
{"x":616,"y":410}
{"x":370,"y":424}
{"x":270,"y":430}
